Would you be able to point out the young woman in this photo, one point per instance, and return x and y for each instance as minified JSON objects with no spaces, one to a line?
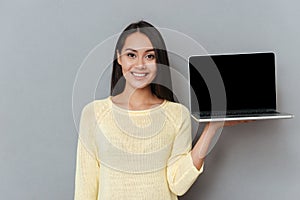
{"x":136,"y":144}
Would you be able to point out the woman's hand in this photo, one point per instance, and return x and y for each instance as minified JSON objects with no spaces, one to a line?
{"x":217,"y":125}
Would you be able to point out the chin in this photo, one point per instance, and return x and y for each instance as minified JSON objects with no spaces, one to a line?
{"x":139,"y":85}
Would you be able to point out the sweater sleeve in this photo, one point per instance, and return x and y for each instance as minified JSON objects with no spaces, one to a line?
{"x":181,"y":172}
{"x":87,"y":165}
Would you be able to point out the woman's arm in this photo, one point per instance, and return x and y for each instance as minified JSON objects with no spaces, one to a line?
{"x":87,"y":162}
{"x":87,"y":174}
{"x":200,"y":149}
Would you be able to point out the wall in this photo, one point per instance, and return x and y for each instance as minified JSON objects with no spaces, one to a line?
{"x":44,"y":43}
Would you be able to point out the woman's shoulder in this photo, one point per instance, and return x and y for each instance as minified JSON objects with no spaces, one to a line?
{"x":97,"y":106}
{"x":177,"y":111}
{"x":177,"y":107}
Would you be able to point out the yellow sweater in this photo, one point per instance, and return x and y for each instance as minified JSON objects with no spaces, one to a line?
{"x":128,"y":155}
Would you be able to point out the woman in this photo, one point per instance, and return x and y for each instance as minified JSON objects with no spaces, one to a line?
{"x":136,"y":144}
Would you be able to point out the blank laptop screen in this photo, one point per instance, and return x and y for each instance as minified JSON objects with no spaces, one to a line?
{"x":248,"y":78}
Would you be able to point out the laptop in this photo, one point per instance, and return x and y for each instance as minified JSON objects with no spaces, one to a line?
{"x":237,"y":86}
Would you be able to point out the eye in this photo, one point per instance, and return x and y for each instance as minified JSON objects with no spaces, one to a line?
{"x":131,"y":55}
{"x":150,"y":56}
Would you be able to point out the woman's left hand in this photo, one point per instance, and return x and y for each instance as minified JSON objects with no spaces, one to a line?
{"x":217,"y":125}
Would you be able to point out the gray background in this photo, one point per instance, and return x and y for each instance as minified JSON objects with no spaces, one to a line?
{"x":43,"y":44}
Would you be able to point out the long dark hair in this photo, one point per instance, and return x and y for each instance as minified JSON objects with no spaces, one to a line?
{"x":162,"y":84}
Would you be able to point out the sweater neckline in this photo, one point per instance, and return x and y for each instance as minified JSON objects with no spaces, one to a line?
{"x":158,"y":107}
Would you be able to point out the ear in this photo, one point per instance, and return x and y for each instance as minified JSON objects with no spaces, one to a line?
{"x":119,"y":58}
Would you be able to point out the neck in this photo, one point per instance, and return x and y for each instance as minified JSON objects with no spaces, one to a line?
{"x":137,"y":99}
{"x":138,"y":96}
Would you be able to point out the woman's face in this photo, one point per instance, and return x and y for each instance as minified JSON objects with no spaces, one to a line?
{"x":138,"y":61}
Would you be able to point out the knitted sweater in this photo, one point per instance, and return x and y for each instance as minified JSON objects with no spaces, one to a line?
{"x":125,"y":154}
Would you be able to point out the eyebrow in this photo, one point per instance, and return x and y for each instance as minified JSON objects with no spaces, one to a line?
{"x":130,"y":49}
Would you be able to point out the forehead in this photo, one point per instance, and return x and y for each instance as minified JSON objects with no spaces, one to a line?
{"x":137,"y":41}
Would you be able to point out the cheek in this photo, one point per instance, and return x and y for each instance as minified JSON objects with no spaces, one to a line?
{"x":153,"y":68}
{"x":126,"y":66}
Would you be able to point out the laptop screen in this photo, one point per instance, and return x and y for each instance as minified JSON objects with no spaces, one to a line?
{"x":247,"y":78}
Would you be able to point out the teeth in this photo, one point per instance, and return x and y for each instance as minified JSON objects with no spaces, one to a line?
{"x":139,"y":75}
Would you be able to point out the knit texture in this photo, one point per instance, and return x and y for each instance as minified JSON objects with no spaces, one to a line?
{"x":125,"y":154}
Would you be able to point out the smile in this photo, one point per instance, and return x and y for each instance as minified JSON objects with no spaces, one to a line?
{"x":139,"y":74}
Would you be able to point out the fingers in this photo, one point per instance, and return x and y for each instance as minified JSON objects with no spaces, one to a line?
{"x":232,"y":123}
{"x":217,"y":125}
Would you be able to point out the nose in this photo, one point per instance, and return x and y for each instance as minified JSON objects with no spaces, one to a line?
{"x":140,"y":63}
